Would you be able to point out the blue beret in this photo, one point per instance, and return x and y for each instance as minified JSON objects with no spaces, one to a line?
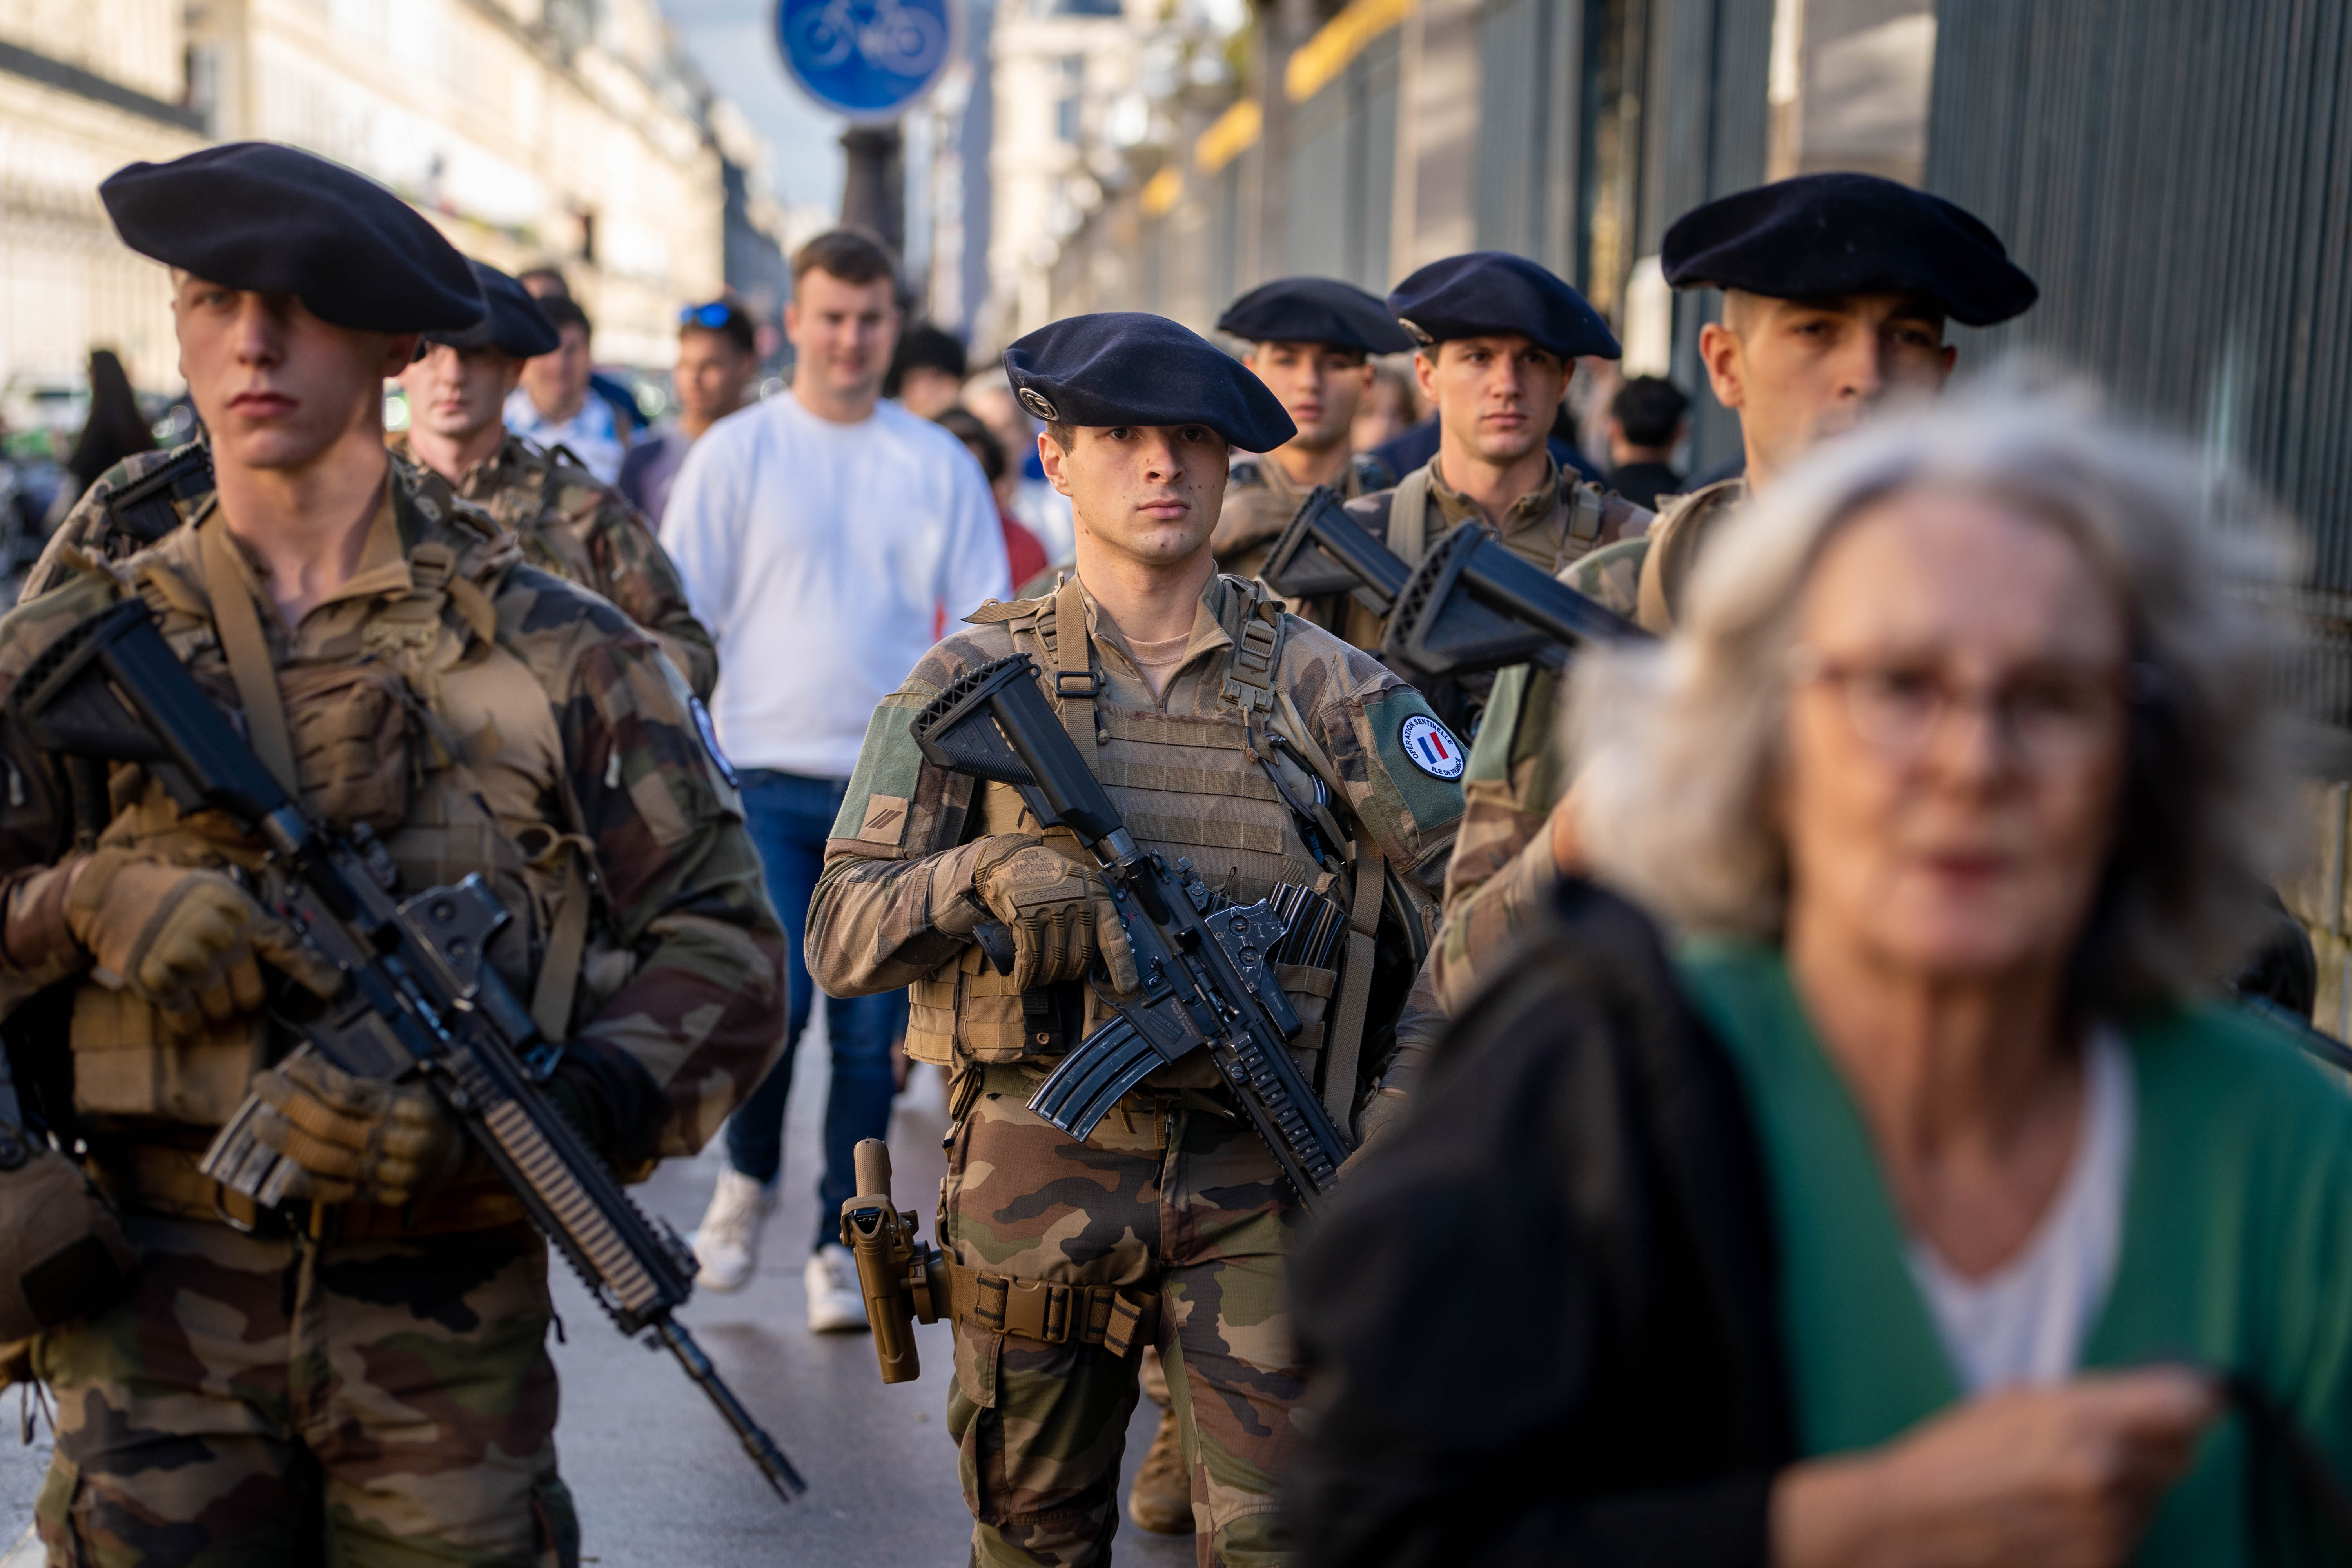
{"x":1821,"y":236}
{"x":254,"y":214}
{"x":1123,"y":367}
{"x":1314,"y":310}
{"x":516,"y":326}
{"x":1490,"y":291}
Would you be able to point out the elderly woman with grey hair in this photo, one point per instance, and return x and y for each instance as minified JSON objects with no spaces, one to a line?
{"x":1927,"y":1206}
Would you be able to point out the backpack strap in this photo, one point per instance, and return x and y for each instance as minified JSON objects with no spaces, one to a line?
{"x":1583,"y":504}
{"x":1409,"y":516}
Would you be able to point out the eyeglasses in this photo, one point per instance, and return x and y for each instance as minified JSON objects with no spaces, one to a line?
{"x":2045,"y":716}
{"x":711,"y":317}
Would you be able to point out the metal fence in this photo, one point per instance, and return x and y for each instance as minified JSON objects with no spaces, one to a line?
{"x":2178,"y":176}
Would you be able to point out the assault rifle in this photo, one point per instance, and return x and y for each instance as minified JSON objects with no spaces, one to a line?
{"x":1473,"y":606}
{"x":1207,"y":971}
{"x":1323,"y":551}
{"x":418,"y":996}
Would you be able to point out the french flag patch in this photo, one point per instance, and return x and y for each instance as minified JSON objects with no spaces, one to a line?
{"x":1432,"y":747}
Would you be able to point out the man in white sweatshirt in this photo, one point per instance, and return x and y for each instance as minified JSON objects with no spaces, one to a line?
{"x":825,"y":537}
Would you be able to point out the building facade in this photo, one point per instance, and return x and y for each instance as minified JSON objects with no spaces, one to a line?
{"x":531,"y":131}
{"x":1363,"y":140}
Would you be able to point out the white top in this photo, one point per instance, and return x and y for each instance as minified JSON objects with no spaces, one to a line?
{"x":2027,"y":1321}
{"x":593,"y":435}
{"x":826,"y":559}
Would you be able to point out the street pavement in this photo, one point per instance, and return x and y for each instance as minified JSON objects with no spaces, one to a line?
{"x":660,"y":1479}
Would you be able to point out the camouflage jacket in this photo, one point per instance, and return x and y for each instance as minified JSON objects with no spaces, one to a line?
{"x":909,"y":832}
{"x":529,"y":718}
{"x":1548,"y":525}
{"x":570,"y":524}
{"x":1260,"y":501}
{"x":573,"y":524}
{"x":1502,"y":869}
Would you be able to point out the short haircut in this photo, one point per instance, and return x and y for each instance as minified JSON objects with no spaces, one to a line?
{"x":1649,"y":409}
{"x":965,"y":427}
{"x":925,"y":347}
{"x":851,"y":255}
{"x":552,"y":274}
{"x":1682,"y":740}
{"x":565,"y":312}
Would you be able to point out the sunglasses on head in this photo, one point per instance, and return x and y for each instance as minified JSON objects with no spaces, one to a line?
{"x":713,"y":316}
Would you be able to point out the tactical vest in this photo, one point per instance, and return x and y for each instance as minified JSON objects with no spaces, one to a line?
{"x":1186,"y":787}
{"x":440,"y":740}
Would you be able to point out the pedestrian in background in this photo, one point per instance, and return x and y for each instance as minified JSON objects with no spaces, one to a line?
{"x":1646,"y":423}
{"x":569,"y":523}
{"x":821,"y":535}
{"x":1388,"y":410}
{"x":718,"y":354}
{"x":925,"y":372}
{"x":1036,"y":505}
{"x":553,"y":406}
{"x":1022,"y":552}
{"x":115,"y":429}
{"x":1918,"y":1208}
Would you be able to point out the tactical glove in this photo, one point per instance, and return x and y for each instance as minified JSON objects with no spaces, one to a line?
{"x":184,"y":940}
{"x":357,"y":1139}
{"x":1059,"y":912}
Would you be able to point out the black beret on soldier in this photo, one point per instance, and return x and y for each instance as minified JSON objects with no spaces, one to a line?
{"x":1823,"y":237}
{"x":1314,"y":310}
{"x":257,"y":215}
{"x":1483,"y":293}
{"x":1124,"y":367}
{"x":515,"y":326}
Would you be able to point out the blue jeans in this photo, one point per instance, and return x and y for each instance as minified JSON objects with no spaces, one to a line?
{"x":790,"y":817}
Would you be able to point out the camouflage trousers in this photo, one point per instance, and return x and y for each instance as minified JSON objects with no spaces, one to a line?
{"x":272,"y":1401}
{"x":1185,"y":1202}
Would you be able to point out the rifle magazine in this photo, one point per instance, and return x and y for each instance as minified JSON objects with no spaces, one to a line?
{"x":1079,"y":1092}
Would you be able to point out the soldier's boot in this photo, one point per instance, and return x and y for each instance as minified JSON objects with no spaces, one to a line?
{"x":1162,"y":1501}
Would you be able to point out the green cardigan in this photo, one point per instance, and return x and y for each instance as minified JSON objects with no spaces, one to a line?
{"x":2237,"y":1244}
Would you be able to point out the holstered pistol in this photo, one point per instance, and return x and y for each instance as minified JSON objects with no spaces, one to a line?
{"x":902,"y":1280}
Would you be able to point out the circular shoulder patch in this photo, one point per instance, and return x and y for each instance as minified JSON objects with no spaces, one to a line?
{"x":1432,"y":747}
{"x":1037,"y":403}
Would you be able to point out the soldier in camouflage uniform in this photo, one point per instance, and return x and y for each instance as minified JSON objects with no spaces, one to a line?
{"x":569,"y":523}
{"x":361,"y":1370}
{"x":1498,"y":338}
{"x":1169,"y":1226}
{"x":1311,"y":342}
{"x":1836,"y":291}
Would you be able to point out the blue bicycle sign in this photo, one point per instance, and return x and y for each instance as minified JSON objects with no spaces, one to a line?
{"x":869,"y":59}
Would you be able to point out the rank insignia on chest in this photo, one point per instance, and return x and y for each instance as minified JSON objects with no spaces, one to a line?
{"x":1432,"y":747}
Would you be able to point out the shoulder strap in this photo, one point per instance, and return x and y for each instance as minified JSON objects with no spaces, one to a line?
{"x":1409,"y":516}
{"x":1584,"y":505}
{"x":238,"y":626}
{"x":1075,"y":684}
{"x":1343,"y":1047}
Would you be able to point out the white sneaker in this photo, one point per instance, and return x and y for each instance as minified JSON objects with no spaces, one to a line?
{"x":727,"y":1244}
{"x":835,"y":1302}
